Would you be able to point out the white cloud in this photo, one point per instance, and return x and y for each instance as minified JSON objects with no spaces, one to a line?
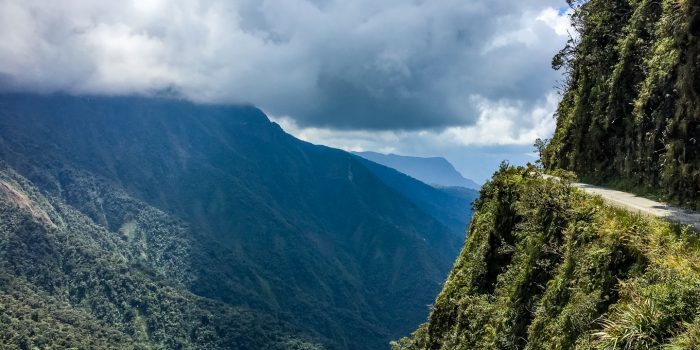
{"x":556,"y":20}
{"x":127,"y":61}
{"x":506,"y":123}
{"x":500,"y":123}
{"x":528,"y":31}
{"x":328,"y":64}
{"x":504,"y":131}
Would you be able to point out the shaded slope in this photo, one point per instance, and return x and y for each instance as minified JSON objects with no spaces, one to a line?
{"x":245,"y":214}
{"x":449,"y":205}
{"x":69,"y":283}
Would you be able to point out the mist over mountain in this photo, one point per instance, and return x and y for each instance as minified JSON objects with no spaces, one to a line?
{"x":433,"y":170}
{"x":173,"y":224}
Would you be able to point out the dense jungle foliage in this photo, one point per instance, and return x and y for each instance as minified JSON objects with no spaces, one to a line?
{"x":546,"y":266}
{"x":69,"y":283}
{"x":167,"y":224}
{"x":630,"y":114}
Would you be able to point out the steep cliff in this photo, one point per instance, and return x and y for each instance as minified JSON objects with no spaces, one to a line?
{"x":546,"y":266}
{"x":630,"y":114}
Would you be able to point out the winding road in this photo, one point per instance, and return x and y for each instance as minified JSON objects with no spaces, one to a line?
{"x":643,"y":205}
{"x":640,"y":205}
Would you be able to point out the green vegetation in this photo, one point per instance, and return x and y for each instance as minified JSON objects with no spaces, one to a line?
{"x":200,"y":226}
{"x":630,"y":113}
{"x":546,"y":266}
{"x":66,"y":282}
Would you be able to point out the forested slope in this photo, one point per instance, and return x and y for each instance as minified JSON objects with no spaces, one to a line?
{"x":546,"y":266}
{"x":278,"y":237}
{"x":447,"y":204}
{"x":67,"y":282}
{"x":630,"y":114}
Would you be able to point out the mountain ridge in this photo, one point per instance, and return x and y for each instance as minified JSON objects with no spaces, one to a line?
{"x":430,"y":170}
{"x":314,"y":237}
{"x":450,"y":205}
{"x":547,"y":266}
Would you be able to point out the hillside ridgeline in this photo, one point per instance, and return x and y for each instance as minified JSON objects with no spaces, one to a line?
{"x":207,"y":227}
{"x":546,"y":266}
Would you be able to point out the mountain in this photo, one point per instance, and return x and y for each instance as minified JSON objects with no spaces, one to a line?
{"x":434,"y":170}
{"x":168,"y":224}
{"x":546,"y":266}
{"x":69,"y":283}
{"x":449,"y":205}
{"x":630,"y":113}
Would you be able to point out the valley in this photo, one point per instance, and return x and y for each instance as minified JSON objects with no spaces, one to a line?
{"x":228,"y":211}
{"x":283,"y":175}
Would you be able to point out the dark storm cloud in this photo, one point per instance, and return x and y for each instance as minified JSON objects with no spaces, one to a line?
{"x":363,"y":64}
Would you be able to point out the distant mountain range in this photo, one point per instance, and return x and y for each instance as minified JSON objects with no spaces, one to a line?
{"x":446,"y":204}
{"x":433,"y":170}
{"x":156,"y":223}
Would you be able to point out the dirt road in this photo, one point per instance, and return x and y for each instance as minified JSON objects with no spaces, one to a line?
{"x":643,"y":205}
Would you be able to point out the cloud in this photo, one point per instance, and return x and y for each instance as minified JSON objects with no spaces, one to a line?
{"x":451,"y":67}
{"x":506,"y":123}
{"x":504,"y":131}
{"x":502,"y":123}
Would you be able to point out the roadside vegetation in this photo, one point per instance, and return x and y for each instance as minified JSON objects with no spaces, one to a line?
{"x":546,"y":266}
{"x":630,"y":110}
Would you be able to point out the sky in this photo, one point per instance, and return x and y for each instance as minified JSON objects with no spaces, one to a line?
{"x":469,"y":80}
